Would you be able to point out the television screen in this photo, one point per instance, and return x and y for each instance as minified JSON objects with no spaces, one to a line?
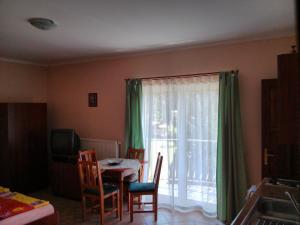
{"x":64,"y":142}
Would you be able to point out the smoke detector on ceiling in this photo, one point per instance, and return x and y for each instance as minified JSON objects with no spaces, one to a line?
{"x":42,"y":23}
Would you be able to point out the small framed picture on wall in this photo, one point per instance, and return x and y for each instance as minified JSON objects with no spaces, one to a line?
{"x":93,"y":100}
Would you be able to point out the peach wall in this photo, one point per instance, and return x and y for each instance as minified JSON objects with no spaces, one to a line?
{"x":68,"y":86}
{"x":22,"y":82}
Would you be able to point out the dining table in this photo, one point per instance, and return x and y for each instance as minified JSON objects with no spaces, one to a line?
{"x":120,"y":169}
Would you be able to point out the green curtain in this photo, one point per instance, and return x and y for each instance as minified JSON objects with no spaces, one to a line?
{"x":133,"y":132}
{"x":231,"y":168}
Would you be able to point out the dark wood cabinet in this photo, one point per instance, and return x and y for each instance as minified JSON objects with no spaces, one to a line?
{"x":289,"y":93}
{"x":289,"y":123}
{"x":23,"y":152}
{"x":65,"y":179}
{"x":281,"y":120}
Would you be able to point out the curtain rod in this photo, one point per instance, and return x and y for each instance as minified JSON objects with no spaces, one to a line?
{"x":179,"y":75}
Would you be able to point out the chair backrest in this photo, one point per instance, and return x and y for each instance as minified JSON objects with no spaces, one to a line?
{"x":90,"y":175}
{"x":136,"y":154}
{"x":88,"y":155}
{"x":157,"y":170}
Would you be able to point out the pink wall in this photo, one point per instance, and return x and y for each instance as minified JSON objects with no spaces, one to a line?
{"x":22,"y":82}
{"x":68,"y":86}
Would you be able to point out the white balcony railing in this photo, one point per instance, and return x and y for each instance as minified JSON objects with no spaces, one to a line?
{"x":189,"y":168}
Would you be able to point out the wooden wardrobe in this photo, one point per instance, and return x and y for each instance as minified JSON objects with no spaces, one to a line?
{"x":281,"y":120}
{"x":289,"y":111}
{"x":23,"y":146}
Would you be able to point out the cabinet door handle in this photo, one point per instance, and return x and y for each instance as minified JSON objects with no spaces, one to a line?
{"x":266,"y":156}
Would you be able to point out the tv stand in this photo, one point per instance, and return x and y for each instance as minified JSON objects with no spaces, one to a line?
{"x":65,"y":178}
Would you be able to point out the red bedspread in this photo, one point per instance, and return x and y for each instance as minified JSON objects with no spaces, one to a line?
{"x":11,"y":207}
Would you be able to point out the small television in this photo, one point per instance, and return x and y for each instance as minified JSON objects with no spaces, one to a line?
{"x":64,"y":142}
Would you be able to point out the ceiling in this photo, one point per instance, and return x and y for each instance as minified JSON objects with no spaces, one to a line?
{"x":98,"y":28}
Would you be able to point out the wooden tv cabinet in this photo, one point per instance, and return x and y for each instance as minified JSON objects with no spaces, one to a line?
{"x":65,"y":179}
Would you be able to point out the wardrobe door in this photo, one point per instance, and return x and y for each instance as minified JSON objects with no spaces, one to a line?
{"x":4,"y":153}
{"x":27,"y":146}
{"x":18,"y":145}
{"x":289,"y":92}
{"x":289,"y":120}
{"x":37,"y":146}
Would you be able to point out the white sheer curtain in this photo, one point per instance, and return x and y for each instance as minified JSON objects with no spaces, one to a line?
{"x":180,"y":119}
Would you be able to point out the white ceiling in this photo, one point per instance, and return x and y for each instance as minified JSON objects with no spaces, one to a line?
{"x":97,"y":28}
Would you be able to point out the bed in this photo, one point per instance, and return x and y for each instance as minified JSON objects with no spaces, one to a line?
{"x":19,"y":209}
{"x":45,"y":215}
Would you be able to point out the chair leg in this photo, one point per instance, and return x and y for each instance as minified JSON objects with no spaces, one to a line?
{"x":155,"y":206}
{"x":83,"y":206}
{"x":117,"y":203}
{"x":131,"y":196}
{"x":128,"y":201}
{"x":119,"y":206}
{"x":101,"y":214}
{"x":113,"y":198}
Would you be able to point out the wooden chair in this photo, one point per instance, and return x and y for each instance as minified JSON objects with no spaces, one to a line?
{"x":139,"y":154}
{"x":136,"y":154}
{"x":93,"y":189}
{"x":140,"y":189}
{"x":88,"y":155}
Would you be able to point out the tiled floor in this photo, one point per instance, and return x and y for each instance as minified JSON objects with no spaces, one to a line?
{"x":70,"y":214}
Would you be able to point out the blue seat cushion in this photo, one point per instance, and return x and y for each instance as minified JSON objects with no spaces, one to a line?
{"x":107,"y":188}
{"x":141,"y":187}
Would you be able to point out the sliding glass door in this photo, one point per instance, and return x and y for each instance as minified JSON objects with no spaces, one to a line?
{"x":180,"y":118}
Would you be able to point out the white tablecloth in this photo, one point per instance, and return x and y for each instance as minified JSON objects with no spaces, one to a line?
{"x":125,"y":164}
